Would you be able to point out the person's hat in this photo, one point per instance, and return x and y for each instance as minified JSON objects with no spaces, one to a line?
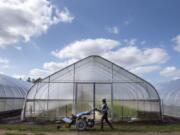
{"x":103,"y":100}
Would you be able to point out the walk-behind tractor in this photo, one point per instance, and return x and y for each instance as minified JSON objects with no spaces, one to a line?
{"x":82,"y":120}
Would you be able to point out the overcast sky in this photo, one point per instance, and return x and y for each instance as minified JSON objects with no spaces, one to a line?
{"x":38,"y":37}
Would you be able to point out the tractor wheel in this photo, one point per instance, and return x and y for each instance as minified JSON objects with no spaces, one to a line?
{"x":81,"y":125}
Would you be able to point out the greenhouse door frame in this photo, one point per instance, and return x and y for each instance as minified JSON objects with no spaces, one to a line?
{"x":94,"y":94}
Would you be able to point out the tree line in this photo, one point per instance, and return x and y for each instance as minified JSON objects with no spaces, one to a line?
{"x":31,"y":80}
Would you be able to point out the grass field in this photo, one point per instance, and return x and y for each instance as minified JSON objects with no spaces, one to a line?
{"x":127,"y":129}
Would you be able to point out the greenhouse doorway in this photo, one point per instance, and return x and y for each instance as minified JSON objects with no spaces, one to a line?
{"x":90,"y":95}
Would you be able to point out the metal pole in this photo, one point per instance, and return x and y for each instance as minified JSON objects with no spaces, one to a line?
{"x":74,"y":92}
{"x":112,"y":96}
{"x":160,"y":107}
{"x":112,"y":104}
{"x":94,"y":104}
{"x":34,"y":104}
{"x":122,"y":113}
{"x":48,"y":97}
{"x":66,"y":110}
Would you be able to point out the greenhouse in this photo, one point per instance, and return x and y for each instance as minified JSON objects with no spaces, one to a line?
{"x":12,"y":95}
{"x":170,"y":93}
{"x":81,"y":87}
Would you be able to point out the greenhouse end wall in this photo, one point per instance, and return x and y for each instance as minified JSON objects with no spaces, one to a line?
{"x":12,"y":96}
{"x":81,"y":87}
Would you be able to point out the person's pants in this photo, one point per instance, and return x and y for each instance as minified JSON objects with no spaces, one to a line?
{"x":105,"y":117}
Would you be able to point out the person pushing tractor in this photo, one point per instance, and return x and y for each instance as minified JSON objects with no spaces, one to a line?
{"x":82,"y":122}
{"x":104,"y":110}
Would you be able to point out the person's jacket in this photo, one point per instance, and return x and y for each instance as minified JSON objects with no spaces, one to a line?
{"x":104,"y":109}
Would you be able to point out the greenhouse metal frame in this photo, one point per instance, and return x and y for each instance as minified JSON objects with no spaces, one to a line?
{"x":81,"y":87}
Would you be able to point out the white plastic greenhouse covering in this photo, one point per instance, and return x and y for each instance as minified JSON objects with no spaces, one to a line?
{"x":81,"y":87}
{"x":12,"y":94}
{"x":170,"y":96}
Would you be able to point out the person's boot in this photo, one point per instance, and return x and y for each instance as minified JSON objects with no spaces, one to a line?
{"x":111,"y":126}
